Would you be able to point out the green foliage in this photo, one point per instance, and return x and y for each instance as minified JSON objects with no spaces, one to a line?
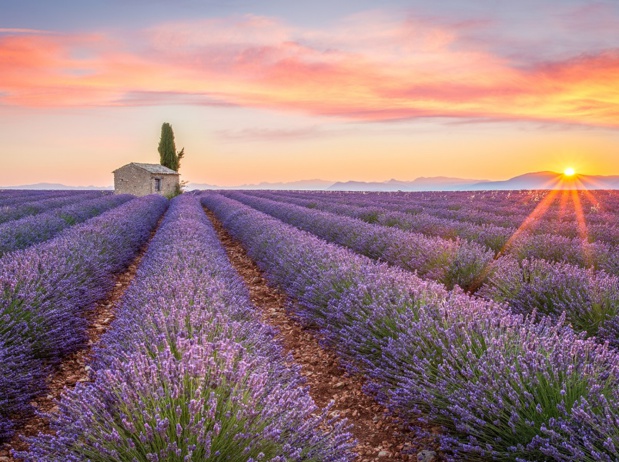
{"x":179,"y":156}
{"x":178,"y":190}
{"x":168,"y":157}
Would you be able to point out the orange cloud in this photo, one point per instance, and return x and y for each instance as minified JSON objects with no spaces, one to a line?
{"x":368,"y":67}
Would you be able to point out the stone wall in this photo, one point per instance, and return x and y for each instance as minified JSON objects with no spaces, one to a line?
{"x":131,"y":179}
{"x":168,"y":184}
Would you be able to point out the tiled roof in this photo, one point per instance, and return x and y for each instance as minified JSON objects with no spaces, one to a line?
{"x":155,"y":168}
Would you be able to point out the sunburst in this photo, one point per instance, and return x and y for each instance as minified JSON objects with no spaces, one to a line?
{"x":568,"y":188}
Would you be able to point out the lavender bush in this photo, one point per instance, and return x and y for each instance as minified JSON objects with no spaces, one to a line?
{"x":447,"y":261}
{"x":18,"y":380}
{"x":45,"y":289}
{"x":12,"y":198}
{"x":370,"y":209}
{"x":589,"y":299}
{"x":187,"y":371}
{"x":202,"y":401}
{"x":19,"y":234}
{"x":552,"y":239}
{"x":18,"y":210}
{"x":502,"y":386}
{"x":507,"y":209}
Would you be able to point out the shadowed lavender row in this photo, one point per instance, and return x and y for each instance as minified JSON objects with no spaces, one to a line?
{"x":45,"y":289}
{"x":589,"y":299}
{"x":22,"y":233}
{"x":502,"y":386}
{"x":43,"y":204}
{"x":187,"y":372}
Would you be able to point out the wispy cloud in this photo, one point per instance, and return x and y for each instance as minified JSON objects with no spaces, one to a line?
{"x":368,"y":67}
{"x":16,"y":30}
{"x":271,"y":134}
{"x":152,"y":98}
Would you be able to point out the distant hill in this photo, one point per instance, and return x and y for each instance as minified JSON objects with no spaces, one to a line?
{"x":536,"y":180}
{"x":297,"y":185}
{"x":551,"y":180}
{"x":58,"y":186}
{"x":437,"y":183}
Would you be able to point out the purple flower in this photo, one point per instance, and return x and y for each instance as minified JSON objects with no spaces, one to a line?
{"x":187,"y":370}
{"x":502,"y":385}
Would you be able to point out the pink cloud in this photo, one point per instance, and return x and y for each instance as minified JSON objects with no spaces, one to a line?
{"x":367,"y":67}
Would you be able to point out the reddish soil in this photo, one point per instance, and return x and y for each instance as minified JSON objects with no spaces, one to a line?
{"x":74,"y":368}
{"x":378,"y":434}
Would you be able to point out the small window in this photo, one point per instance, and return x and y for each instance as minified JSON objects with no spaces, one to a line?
{"x":157,"y":184}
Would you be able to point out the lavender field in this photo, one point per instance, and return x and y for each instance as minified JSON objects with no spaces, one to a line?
{"x":486,"y":322}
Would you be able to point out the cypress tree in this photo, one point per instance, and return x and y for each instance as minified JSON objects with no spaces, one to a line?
{"x":179,"y":156}
{"x":167,"y":149}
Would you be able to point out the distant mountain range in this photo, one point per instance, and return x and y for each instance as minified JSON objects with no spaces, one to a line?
{"x":437,"y":183}
{"x":58,"y":186}
{"x":296,"y":185}
{"x":552,"y":180}
{"x":537,"y":180}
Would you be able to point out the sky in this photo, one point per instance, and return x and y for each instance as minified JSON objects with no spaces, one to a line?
{"x":280,"y":90}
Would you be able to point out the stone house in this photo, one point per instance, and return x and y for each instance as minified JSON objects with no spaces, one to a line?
{"x":143,"y":179}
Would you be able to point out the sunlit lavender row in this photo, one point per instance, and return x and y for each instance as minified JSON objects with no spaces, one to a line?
{"x":589,"y":299}
{"x":502,"y":386}
{"x":449,"y":262}
{"x":507,"y":209}
{"x":24,"y":232}
{"x":46,"y":289}
{"x":187,"y":372}
{"x":491,"y":216}
{"x":11,"y":198}
{"x":566,"y":240}
{"x":19,"y":209}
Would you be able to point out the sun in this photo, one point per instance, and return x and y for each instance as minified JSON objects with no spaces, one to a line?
{"x":569,"y":171}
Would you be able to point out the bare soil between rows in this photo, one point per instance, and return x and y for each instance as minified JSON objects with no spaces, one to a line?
{"x":379,"y":435}
{"x":74,"y":368}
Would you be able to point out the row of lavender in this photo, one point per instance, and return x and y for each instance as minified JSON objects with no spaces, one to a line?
{"x":24,"y":232}
{"x":509,"y":208}
{"x":187,"y":371}
{"x":502,"y":386}
{"x":555,"y":212}
{"x":561,"y":209}
{"x":538,"y":238}
{"x":19,"y":209}
{"x":449,"y":262}
{"x":13,"y":197}
{"x":46,"y":289}
{"x":371,"y":208}
{"x":589,"y":299}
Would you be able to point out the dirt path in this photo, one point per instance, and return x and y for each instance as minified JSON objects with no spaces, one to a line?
{"x":379,"y":436}
{"x":74,"y":368}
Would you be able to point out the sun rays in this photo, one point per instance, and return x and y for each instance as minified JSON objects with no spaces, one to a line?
{"x":565,"y":196}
